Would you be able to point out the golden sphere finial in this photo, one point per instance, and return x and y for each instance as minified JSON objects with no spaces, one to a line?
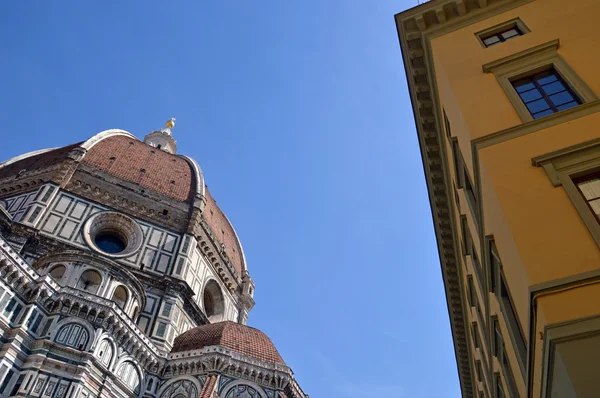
{"x":170,"y":123}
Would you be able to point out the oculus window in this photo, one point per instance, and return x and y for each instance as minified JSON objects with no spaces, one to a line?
{"x":110,"y":243}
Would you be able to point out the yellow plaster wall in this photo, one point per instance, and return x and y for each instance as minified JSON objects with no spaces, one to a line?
{"x":551,"y":238}
{"x":538,"y":232}
{"x":459,"y":56}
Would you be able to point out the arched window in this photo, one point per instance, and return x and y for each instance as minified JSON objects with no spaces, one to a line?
{"x":90,"y":281}
{"x":135,"y":312}
{"x":105,"y":352}
{"x":129,"y":375}
{"x":214,"y":304}
{"x":180,"y":389}
{"x":73,"y":335}
{"x":58,"y":273}
{"x":242,"y":391}
{"x":120,"y":296}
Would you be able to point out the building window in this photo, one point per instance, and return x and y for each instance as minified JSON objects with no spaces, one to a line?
{"x":501,"y":36}
{"x":512,"y":323}
{"x":589,"y":187}
{"x":471,"y":196}
{"x":570,"y":350}
{"x":538,"y":82}
{"x":58,"y":273}
{"x":120,"y":296}
{"x":495,"y":264}
{"x":475,"y":332}
{"x":471,"y":295}
{"x":499,"y":389}
{"x":458,"y":163}
{"x":130,"y":376}
{"x":500,"y":33}
{"x":7,"y":379}
{"x":73,"y":335}
{"x":479,"y":371}
{"x":242,"y":391}
{"x":213,"y":301}
{"x":105,"y":352}
{"x":500,"y":353}
{"x":545,"y":93}
{"x":469,"y":249}
{"x":447,"y":125}
{"x":90,"y":281}
{"x":577,"y":170}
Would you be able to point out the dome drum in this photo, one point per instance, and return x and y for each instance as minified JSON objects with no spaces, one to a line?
{"x":97,"y":276}
{"x":135,"y":263}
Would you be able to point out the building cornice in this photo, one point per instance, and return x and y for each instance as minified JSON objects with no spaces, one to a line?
{"x":416,"y":28}
{"x":227,"y":362}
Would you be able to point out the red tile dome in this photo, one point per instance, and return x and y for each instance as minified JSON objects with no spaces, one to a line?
{"x":131,"y":160}
{"x":121,"y":155}
{"x":237,"y":337}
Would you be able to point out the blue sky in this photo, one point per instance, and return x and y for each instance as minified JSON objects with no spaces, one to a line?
{"x":298,"y":114}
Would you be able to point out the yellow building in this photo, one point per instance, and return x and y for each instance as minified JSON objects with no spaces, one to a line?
{"x":505,"y":99}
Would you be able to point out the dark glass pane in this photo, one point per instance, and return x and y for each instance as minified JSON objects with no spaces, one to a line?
{"x":530,"y":95}
{"x":510,"y":33}
{"x":561,"y":98}
{"x":553,"y":88}
{"x":542,"y":113}
{"x":567,"y":105}
{"x":546,"y":78}
{"x":523,"y":85}
{"x":109,"y":243}
{"x":490,"y":41}
{"x":538,"y":106}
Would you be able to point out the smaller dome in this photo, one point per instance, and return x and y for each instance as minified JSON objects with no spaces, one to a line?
{"x":237,"y":337}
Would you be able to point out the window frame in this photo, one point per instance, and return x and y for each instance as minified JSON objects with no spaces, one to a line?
{"x":533,"y":78}
{"x":515,"y":23}
{"x":564,"y":332}
{"x":513,"y":324}
{"x":499,"y":351}
{"x":475,"y":335}
{"x":530,"y":61}
{"x":583,"y":178}
{"x":566,"y":165}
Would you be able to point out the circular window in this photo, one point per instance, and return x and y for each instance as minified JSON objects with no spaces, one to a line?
{"x":113,"y":234}
{"x":109,"y":242}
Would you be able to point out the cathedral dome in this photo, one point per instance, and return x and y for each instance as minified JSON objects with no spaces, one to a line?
{"x":241,"y":338}
{"x":118,"y":154}
{"x":136,"y":162}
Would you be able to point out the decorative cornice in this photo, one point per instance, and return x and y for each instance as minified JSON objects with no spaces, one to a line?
{"x":563,"y":152}
{"x":225,"y":361}
{"x":209,"y":245}
{"x":416,"y":27}
{"x":95,"y":188}
{"x":552,"y":45}
{"x":32,"y":287}
{"x":536,"y":125}
{"x":11,"y":186}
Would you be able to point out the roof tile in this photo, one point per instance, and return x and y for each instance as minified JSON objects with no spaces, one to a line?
{"x":237,"y":337}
